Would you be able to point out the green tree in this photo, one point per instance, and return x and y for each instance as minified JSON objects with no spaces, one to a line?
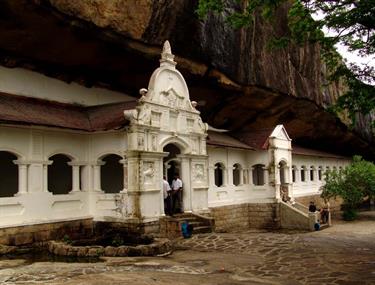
{"x":353,"y":24}
{"x":353,"y":184}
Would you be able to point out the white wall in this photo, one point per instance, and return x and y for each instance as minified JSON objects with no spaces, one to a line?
{"x":18,"y":81}
{"x":228,"y":193}
{"x":34,"y":203}
{"x":313,"y":187}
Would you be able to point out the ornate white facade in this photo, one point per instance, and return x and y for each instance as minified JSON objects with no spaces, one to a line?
{"x":116,"y":174}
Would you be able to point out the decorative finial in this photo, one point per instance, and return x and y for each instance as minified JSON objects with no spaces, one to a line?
{"x":167,"y":58}
{"x":167,"y":47}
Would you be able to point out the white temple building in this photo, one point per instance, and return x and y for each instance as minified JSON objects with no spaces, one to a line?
{"x":71,"y":153}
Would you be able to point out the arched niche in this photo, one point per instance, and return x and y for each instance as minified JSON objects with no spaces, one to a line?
{"x":60,"y":174}
{"x":237,"y":169}
{"x":112,"y":174}
{"x":8,"y":174}
{"x":172,"y":164}
{"x":219,"y":174}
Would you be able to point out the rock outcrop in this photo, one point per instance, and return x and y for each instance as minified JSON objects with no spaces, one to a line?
{"x":238,"y":81}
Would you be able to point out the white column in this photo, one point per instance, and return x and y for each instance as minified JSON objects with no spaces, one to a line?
{"x":241,"y":175}
{"x":250,"y":177}
{"x":186,"y":188}
{"x":76,"y":181}
{"x":211,"y":176}
{"x":230,"y":175}
{"x":97,"y":180}
{"x":86,"y":178}
{"x":266,"y":176}
{"x":22,"y":177}
{"x":45,"y":177}
{"x":124,"y":163}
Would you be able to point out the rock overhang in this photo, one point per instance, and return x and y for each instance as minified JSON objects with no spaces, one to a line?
{"x":42,"y":36}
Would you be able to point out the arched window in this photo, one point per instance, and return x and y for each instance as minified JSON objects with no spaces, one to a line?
{"x":294,"y":173}
{"x":8,"y":174}
{"x":219,"y":174}
{"x":303,"y":173}
{"x":59,"y":175}
{"x":112,"y":174}
{"x":312,"y":178}
{"x":237,"y":174}
{"x":320,"y":170}
{"x":258,"y":174}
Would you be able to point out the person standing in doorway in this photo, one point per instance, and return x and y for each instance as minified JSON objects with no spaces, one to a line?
{"x":177,"y":194}
{"x":167,"y":197}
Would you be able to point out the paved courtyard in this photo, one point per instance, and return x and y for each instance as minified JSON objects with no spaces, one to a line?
{"x":343,"y":254}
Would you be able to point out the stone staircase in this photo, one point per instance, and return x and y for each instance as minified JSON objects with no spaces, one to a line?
{"x":201,"y":224}
{"x":297,"y":216}
{"x":305,"y":209}
{"x":171,"y":226}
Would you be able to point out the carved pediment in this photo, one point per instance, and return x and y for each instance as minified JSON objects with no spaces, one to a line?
{"x":172,"y":98}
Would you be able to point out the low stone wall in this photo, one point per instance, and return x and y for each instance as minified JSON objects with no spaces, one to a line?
{"x":129,"y":226}
{"x":264,"y":216}
{"x":292,"y":218}
{"x":335,"y":204}
{"x":246,"y":216}
{"x":24,"y":235}
{"x":170,"y":228}
{"x":159,"y":246}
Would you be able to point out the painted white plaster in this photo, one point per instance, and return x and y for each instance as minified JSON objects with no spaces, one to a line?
{"x":164,"y":115}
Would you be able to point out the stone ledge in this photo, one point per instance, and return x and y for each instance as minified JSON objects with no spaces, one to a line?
{"x":159,"y":246}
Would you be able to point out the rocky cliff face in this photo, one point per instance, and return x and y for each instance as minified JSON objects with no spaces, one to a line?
{"x":239,"y":82}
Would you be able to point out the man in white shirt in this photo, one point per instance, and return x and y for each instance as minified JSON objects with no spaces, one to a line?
{"x":167,"y":197}
{"x":177,"y":194}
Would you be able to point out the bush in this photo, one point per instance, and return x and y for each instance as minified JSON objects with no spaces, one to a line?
{"x":353,"y":184}
{"x":349,"y":214}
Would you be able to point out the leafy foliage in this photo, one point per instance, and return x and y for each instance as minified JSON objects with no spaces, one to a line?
{"x":353,"y":22}
{"x":352,"y":184}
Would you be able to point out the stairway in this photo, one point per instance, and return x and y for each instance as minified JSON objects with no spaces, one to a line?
{"x":171,"y":226}
{"x":297,"y":216}
{"x":201,"y":224}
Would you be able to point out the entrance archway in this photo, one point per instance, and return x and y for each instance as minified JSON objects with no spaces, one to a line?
{"x":172,"y":164}
{"x":172,"y":168}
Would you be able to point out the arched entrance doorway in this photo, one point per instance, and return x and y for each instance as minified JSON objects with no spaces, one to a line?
{"x":172,"y":170}
{"x":172,"y":164}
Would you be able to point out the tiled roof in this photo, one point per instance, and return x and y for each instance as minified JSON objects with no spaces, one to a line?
{"x":223,"y":139}
{"x":31,"y":111}
{"x":257,"y":139}
{"x":312,"y":152}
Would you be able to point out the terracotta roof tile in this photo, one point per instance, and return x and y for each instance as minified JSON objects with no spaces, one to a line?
{"x":312,"y":152}
{"x":31,"y":111}
{"x":257,"y":139}
{"x":223,"y":139}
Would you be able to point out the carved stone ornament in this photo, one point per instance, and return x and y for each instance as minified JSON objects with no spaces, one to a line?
{"x":171,"y":98}
{"x":198,"y":172}
{"x":148,"y":172}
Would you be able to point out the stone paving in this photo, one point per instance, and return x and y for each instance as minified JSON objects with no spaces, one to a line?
{"x":343,"y":254}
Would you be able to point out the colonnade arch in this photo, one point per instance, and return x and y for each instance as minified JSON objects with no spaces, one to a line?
{"x":112,"y":173}
{"x":60,"y":174}
{"x":172,"y":164}
{"x":8,"y":174}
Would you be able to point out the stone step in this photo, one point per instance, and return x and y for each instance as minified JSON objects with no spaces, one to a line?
{"x":323,"y":226}
{"x":202,"y":229}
